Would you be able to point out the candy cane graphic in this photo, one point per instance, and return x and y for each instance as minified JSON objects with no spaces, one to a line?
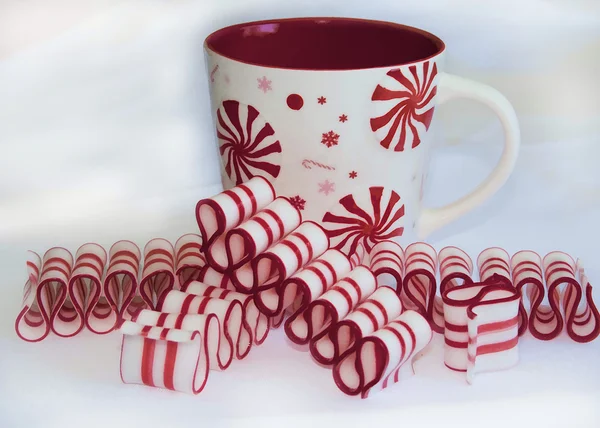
{"x":376,"y":362}
{"x":158,"y":276}
{"x":230,"y":208}
{"x":168,"y":358}
{"x":332,"y":306}
{"x":120,"y":285}
{"x":272,"y":267}
{"x":243,"y":243}
{"x":85,"y":287}
{"x":189,"y":259}
{"x":371,"y":315}
{"x":229,"y":313}
{"x":305,"y":285}
{"x":309,"y":163}
{"x":30,"y":325}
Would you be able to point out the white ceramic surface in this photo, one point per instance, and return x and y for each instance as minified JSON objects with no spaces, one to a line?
{"x":350,"y":148}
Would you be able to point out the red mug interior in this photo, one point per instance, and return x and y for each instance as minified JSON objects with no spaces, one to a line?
{"x":324,"y":43}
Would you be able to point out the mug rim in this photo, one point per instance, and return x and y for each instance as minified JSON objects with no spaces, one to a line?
{"x":438,"y":42}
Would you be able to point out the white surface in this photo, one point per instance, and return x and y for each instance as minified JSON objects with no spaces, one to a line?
{"x":105,"y":131}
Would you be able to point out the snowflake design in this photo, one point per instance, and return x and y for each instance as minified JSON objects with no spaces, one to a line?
{"x":330,"y":139}
{"x":326,"y":187}
{"x":404,"y":106}
{"x":264,"y":84}
{"x":349,"y":224}
{"x":353,"y":175}
{"x":321,"y":100}
{"x":297,"y":202}
{"x":343,"y":118}
{"x":247,"y":142}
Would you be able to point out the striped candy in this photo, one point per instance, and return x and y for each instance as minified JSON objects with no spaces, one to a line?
{"x":494,"y":261}
{"x":305,"y":285}
{"x":359,"y":256}
{"x":30,"y":325}
{"x":387,"y":263}
{"x":456,"y":269}
{"x":188,"y":258}
{"x":168,"y":357}
{"x":377,"y":360}
{"x":120,"y":283}
{"x":229,"y":313}
{"x":332,"y":306}
{"x":419,"y":285}
{"x":378,"y":310}
{"x":582,"y":323}
{"x":272,"y":267}
{"x":491,"y":306}
{"x":85,"y":288}
{"x":52,"y":291}
{"x":158,"y":276}
{"x":228,"y":209}
{"x":256,"y":325}
{"x":527,"y":278}
{"x":243,"y":243}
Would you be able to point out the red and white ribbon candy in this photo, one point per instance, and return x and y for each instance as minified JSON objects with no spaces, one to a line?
{"x":228,"y":209}
{"x":169,"y":358}
{"x":211,"y":277}
{"x":493,"y":329}
{"x":271,"y":268}
{"x":305,"y":285}
{"x":120,"y":283}
{"x":378,"y":310}
{"x":359,"y":256}
{"x":52,"y":291}
{"x":527,"y":278}
{"x":85,"y":288}
{"x":419,"y":285}
{"x":229,"y":313}
{"x":459,"y":303}
{"x":376,"y":361}
{"x":255,"y":324}
{"x":188,"y":258}
{"x":494,"y":261}
{"x":387,"y":263}
{"x":158,"y":276}
{"x":30,"y":325}
{"x":242,"y":243}
{"x":456,"y":268}
{"x":332,"y":306}
{"x":582,"y":319}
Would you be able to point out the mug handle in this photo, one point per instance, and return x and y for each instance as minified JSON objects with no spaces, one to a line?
{"x":449,"y":87}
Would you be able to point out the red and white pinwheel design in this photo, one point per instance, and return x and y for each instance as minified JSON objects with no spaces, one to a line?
{"x":366,"y":219}
{"x":403,"y":106}
{"x":247,"y":142}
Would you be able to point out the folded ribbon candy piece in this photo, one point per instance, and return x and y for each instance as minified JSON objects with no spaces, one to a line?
{"x":168,"y":357}
{"x":376,"y":361}
{"x":481,"y":326}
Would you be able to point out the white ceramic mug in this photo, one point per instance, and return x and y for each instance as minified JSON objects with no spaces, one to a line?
{"x":335,"y":112}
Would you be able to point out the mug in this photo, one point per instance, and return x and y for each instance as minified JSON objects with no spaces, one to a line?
{"x":336,"y":114}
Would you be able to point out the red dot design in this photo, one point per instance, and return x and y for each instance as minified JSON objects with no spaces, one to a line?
{"x":295,"y":101}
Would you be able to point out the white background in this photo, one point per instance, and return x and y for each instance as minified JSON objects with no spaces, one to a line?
{"x":106,"y":134}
